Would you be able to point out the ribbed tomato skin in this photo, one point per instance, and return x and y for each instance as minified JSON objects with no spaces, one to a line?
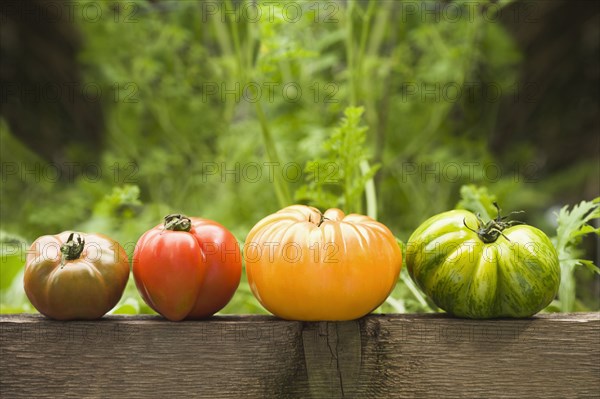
{"x":80,"y":289}
{"x":516,"y":276}
{"x":339,"y":269}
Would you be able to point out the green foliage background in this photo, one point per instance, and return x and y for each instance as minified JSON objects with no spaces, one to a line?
{"x":170,"y":138}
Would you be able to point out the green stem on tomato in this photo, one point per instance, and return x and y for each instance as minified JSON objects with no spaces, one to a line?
{"x":73,"y":248}
{"x":177,"y":222}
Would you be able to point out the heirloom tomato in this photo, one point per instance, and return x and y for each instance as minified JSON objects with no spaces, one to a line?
{"x":306,"y":265}
{"x":75,"y":275}
{"x":187,"y":268}
{"x":482,"y":270}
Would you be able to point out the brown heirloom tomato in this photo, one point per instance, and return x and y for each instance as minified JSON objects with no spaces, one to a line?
{"x":75,"y":275}
{"x":187,"y":268}
{"x":305,"y":265}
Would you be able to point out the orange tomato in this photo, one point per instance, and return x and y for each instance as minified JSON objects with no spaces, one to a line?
{"x":305,"y":265}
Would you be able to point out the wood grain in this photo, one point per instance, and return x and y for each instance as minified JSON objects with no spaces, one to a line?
{"x":379,"y":356}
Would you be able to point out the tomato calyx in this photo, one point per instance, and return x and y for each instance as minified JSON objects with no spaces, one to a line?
{"x":72,"y":249}
{"x":322,"y":218}
{"x":489,"y":232}
{"x":177,"y":222}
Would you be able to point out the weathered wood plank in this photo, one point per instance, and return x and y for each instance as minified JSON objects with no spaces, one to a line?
{"x":379,"y":356}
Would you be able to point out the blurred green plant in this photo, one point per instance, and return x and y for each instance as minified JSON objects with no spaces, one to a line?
{"x":192,"y":98}
{"x":477,"y":200}
{"x":336,"y":180}
{"x":573,"y":225}
{"x":12,"y":258}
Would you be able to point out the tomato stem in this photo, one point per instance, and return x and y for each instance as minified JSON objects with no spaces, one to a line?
{"x":177,"y":222}
{"x":489,"y":232}
{"x":73,"y":248}
{"x":322,"y":218}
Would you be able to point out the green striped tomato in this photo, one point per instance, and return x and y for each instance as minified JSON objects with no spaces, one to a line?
{"x":481,"y":271}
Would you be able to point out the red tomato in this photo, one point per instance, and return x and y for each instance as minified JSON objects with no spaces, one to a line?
{"x":187,"y":268}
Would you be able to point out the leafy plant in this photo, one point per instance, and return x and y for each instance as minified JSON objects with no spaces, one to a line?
{"x":337,"y":179}
{"x":573,"y":225}
{"x":477,"y":200}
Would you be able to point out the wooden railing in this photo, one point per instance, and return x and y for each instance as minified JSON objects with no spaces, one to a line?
{"x":379,"y":356}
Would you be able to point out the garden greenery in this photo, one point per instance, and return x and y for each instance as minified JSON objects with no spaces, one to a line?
{"x":225,"y":116}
